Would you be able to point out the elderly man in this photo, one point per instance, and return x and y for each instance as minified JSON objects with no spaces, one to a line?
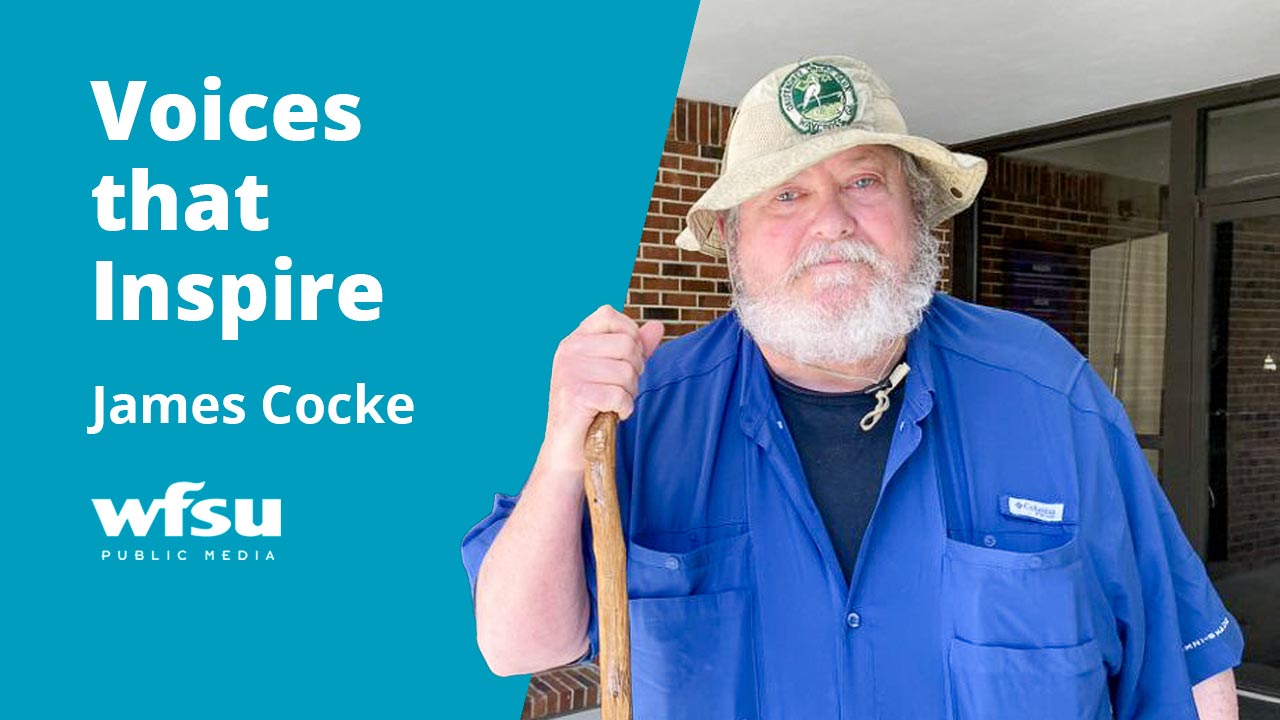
{"x":852,"y":497}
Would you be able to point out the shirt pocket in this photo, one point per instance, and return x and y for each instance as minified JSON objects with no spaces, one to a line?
{"x":1018,"y":599}
{"x":693,"y":657}
{"x":692,"y":625}
{"x":1004,"y":683}
{"x":1023,"y":644}
{"x":673,"y":564}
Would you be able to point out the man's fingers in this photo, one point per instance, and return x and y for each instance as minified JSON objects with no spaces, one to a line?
{"x":614,"y":346}
{"x":607,"y":398}
{"x":607,"y":320}
{"x":650,"y":336}
{"x":613,"y":372}
{"x":597,"y":367}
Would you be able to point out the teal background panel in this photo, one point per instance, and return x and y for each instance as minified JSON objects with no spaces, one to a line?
{"x":497,"y":191}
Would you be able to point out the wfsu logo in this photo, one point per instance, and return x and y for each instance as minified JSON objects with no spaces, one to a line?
{"x":210,"y":516}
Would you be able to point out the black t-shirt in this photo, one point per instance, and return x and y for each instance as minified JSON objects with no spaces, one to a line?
{"x":842,"y":464}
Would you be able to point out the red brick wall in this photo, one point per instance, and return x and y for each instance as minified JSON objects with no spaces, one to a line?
{"x":685,"y":290}
{"x":562,"y":691}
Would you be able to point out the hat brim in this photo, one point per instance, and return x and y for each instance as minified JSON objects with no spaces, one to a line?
{"x":957,"y":178}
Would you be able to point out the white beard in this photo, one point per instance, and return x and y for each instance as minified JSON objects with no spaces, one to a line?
{"x":851,"y":330}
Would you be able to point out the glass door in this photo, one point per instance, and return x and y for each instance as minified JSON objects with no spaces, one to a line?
{"x":1241,"y":422}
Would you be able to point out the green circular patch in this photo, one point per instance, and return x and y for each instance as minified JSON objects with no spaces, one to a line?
{"x":816,"y":97}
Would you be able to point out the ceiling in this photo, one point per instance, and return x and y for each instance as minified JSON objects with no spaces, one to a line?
{"x":963,"y":71}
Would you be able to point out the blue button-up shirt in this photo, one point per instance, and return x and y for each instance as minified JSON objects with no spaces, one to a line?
{"x":1021,"y":562}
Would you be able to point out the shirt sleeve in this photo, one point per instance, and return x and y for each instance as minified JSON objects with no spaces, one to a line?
{"x":1176,"y":630}
{"x":478,"y":540}
{"x":1211,"y":638}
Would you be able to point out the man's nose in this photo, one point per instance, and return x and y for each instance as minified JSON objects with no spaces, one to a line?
{"x":832,"y":219}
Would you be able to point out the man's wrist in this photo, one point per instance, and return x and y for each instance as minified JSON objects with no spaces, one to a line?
{"x":563,"y":476}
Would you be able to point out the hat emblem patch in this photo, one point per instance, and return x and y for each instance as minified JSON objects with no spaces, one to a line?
{"x":816,"y":97}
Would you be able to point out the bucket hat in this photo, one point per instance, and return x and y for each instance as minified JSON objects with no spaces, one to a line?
{"x":805,"y":112}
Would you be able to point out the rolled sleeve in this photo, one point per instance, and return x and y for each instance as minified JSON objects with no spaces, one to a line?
{"x":477,"y":541}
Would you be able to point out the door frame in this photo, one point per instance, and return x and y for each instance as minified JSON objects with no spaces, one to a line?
{"x":1264,"y":200}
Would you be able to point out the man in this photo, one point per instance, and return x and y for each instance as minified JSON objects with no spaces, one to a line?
{"x":853,"y":498}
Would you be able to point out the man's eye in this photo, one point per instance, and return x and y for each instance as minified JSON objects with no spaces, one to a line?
{"x":786,"y":196}
{"x":863,"y":182}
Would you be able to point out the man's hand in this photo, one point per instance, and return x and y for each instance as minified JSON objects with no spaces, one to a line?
{"x":596,"y":369}
{"x":532,"y":606}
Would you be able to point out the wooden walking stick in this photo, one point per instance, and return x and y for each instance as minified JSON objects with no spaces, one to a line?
{"x":611,"y":568}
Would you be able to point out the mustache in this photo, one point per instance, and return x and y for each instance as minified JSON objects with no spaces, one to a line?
{"x":846,"y":250}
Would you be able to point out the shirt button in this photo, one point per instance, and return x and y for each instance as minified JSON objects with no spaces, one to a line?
{"x":672,"y":563}
{"x":989,"y":540}
{"x":1037,"y":562}
{"x":854,"y":620}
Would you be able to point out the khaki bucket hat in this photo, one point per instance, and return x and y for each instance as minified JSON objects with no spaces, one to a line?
{"x":803,"y":113}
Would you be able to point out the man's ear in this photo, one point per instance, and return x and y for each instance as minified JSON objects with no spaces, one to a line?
{"x":720,"y":224}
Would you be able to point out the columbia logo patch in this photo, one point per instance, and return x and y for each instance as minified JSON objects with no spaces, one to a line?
{"x":1032,"y":509}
